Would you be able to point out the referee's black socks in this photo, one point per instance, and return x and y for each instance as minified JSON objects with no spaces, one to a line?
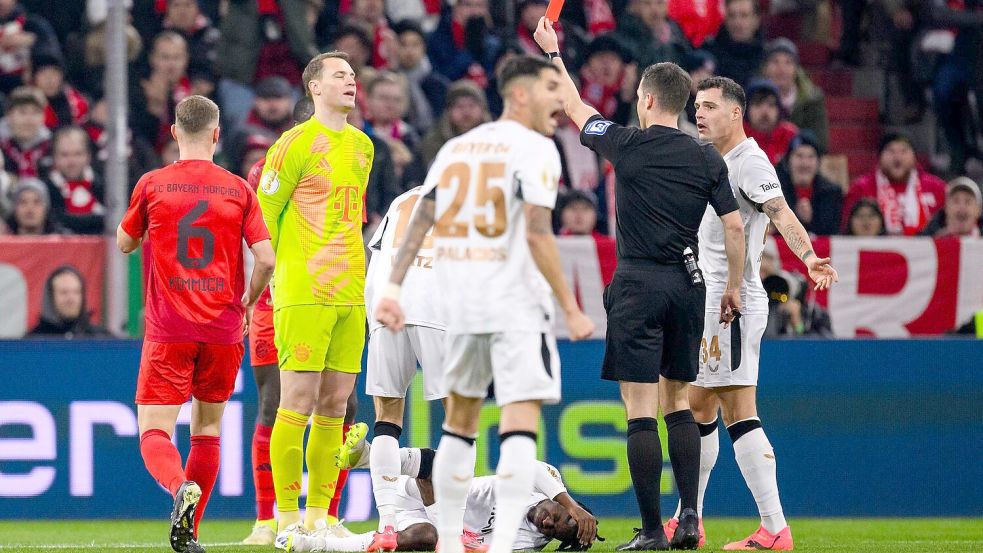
{"x":645,"y":464}
{"x":684,"y":453}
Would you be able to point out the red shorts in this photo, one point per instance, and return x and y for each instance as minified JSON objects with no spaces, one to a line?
{"x":170,"y":373}
{"x":262,"y":349}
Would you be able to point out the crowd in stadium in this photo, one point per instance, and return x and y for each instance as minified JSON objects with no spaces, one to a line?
{"x":426,"y":72}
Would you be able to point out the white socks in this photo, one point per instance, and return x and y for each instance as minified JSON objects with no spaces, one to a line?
{"x":756,"y":458}
{"x":453,"y":472}
{"x":516,"y":472}
{"x":385,"y":468}
{"x":709,"y":449}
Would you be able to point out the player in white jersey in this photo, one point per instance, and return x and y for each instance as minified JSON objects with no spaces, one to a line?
{"x":729,"y":355}
{"x":393,"y":356}
{"x":493,"y":190}
{"x":546,"y":518}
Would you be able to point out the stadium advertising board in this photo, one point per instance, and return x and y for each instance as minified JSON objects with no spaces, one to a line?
{"x":844,"y":416}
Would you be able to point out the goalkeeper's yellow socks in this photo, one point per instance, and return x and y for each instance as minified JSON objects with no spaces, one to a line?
{"x":322,"y":446}
{"x":287,"y":460}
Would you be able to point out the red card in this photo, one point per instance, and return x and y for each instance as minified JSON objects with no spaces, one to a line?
{"x":553,"y":10}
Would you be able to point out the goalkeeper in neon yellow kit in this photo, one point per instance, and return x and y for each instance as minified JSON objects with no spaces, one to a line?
{"x":311,"y":194}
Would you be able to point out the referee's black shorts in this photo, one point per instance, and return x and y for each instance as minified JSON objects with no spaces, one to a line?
{"x":655,"y":323}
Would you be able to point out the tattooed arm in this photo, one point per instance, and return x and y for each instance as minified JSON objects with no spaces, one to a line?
{"x":799,"y":242}
{"x":389,"y":312}
{"x":542,"y":245}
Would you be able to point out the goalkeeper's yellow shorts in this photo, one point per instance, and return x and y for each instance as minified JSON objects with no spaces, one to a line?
{"x":318,"y":337}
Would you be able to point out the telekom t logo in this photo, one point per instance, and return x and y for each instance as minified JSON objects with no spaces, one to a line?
{"x":347,"y":200}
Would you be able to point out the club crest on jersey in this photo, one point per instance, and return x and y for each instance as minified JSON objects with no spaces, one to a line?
{"x":598,"y":127}
{"x":270,"y":182}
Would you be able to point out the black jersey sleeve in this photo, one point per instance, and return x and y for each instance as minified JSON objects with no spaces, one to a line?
{"x":607,"y":138}
{"x":722,"y":197}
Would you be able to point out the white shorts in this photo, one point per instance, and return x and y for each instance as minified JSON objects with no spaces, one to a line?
{"x":524,"y":365}
{"x":393,"y":358}
{"x":717,"y":357}
{"x":409,"y":505}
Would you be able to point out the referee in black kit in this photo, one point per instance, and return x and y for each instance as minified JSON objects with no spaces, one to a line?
{"x":655,"y":304}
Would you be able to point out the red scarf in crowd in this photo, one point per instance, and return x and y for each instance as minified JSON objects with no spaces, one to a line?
{"x":13,"y":62}
{"x":78,"y":195}
{"x":901,"y":203}
{"x":78,"y":107}
{"x":24,"y":162}
{"x":600,"y":20}
{"x":603,"y":98}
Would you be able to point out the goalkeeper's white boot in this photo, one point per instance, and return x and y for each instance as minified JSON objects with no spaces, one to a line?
{"x":264,"y":533}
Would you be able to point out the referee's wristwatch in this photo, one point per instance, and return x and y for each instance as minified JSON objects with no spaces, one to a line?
{"x":551,"y":55}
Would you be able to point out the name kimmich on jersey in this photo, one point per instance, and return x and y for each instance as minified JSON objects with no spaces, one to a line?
{"x":481,"y":181}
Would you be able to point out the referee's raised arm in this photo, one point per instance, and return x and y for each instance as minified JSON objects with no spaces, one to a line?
{"x":578,"y":111}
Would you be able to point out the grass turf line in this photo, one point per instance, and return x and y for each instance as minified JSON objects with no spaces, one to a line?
{"x":222,"y":536}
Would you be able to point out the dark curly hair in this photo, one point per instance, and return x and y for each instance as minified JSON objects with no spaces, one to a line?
{"x":573,"y":544}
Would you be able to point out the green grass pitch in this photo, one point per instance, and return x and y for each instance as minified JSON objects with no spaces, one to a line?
{"x":832,"y":535}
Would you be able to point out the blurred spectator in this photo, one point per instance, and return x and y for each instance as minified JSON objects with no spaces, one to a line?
{"x":800,"y":98}
{"x":701,"y":65}
{"x":65,"y":16}
{"x":8,"y":183}
{"x":464,"y":44}
{"x":22,"y":36}
{"x":254,"y":151}
{"x":958,"y":73}
{"x":356,"y":42}
{"x":141,"y":154}
{"x":865,"y":219}
{"x":608,"y":78}
{"x":425,"y":13}
{"x":387,"y":100}
{"x":427,"y":87}
{"x":853,"y":18}
{"x":765,"y":122}
{"x":651,"y":34}
{"x":579,"y":166}
{"x":75,"y":189}
{"x":24,"y":139}
{"x":699,"y":19}
{"x":740,"y":45}
{"x":66,"y":106}
{"x":153,"y":98}
{"x":527,"y":17}
{"x":816,"y":200}
{"x":271,"y":115}
{"x":63,"y":308}
{"x":371,"y":14}
{"x":904,"y":28}
{"x":466,"y":109}
{"x":907,"y":197}
{"x":578,"y":217}
{"x":259,"y":39}
{"x":185,"y":18}
{"x":89,"y":75}
{"x":32,"y":210}
{"x":961,"y":215}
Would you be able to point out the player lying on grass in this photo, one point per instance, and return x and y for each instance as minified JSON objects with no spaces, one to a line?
{"x":551,"y":512}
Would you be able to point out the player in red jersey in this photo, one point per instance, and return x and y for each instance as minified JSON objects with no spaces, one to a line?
{"x":266,"y":371}
{"x":196,"y":215}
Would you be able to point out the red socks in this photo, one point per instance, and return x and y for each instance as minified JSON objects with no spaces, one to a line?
{"x":340,"y":486}
{"x":263,"y":473}
{"x":162,"y":459}
{"x":202,"y":467}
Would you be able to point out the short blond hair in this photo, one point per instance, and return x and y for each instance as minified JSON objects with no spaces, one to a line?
{"x":314,"y":67}
{"x":196,"y":114}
